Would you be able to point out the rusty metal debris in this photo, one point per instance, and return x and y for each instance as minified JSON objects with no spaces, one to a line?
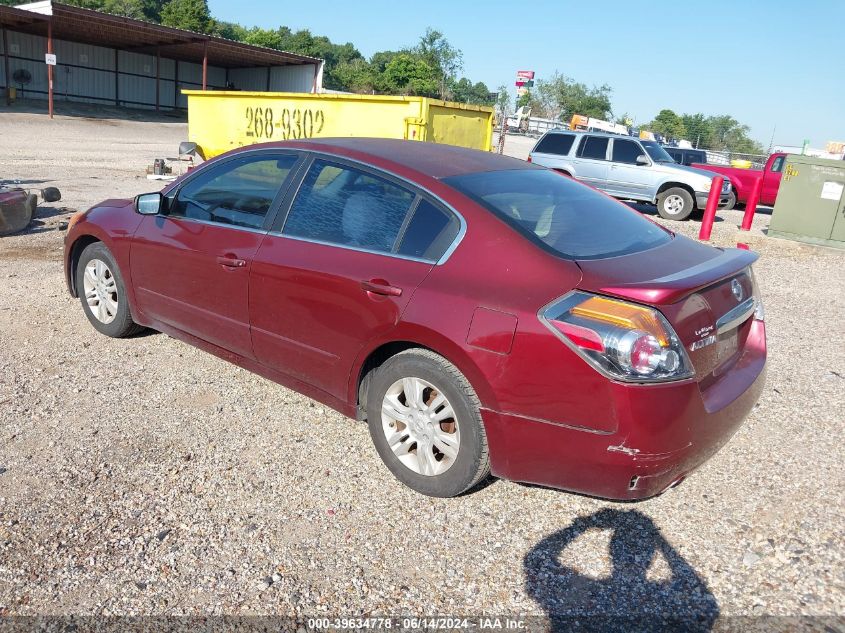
{"x":17,"y":206}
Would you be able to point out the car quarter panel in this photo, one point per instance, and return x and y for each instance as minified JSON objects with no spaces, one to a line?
{"x":500,"y":271}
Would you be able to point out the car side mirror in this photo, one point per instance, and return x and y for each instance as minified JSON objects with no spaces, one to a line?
{"x":642,"y":159}
{"x":149,"y":203}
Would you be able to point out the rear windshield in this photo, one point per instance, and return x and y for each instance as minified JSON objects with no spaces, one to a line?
{"x":555,"y":143}
{"x":560,"y":214}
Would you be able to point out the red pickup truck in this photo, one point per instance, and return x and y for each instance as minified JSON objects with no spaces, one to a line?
{"x":742,"y":180}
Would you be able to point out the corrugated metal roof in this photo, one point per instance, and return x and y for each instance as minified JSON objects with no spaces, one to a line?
{"x":76,"y":24}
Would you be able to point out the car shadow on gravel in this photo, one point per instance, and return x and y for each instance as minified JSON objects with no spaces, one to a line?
{"x":630,"y":599}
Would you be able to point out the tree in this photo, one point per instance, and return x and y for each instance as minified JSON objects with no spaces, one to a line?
{"x":698,"y":131}
{"x":668,"y":124}
{"x":262,"y":37}
{"x":726,"y":133}
{"x":125,"y":8}
{"x":356,"y":76}
{"x":380,"y":60}
{"x":191,"y":15}
{"x":503,"y":103}
{"x":523,"y":100}
{"x":464,"y":91}
{"x":409,"y":75}
{"x":624,"y":119}
{"x":441,"y":56}
{"x":560,"y":97}
{"x":304,"y":43}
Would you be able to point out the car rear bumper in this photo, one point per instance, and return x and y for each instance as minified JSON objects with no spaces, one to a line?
{"x":665,"y":432}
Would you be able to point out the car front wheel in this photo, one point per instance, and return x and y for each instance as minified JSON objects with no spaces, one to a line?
{"x":102,"y":292}
{"x":675,"y":204}
{"x":425,"y":422}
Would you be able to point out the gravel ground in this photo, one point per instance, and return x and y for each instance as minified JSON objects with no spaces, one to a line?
{"x":143,"y":476}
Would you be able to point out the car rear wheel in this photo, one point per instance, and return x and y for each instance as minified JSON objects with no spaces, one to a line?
{"x":675,"y":204}
{"x":425,"y":422}
{"x":731,"y":203}
{"x":102,"y":292}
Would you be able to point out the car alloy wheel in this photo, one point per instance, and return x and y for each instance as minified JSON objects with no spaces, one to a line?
{"x":420,"y":426}
{"x":100,"y":288}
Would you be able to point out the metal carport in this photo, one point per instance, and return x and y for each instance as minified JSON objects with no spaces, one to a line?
{"x":103,"y":58}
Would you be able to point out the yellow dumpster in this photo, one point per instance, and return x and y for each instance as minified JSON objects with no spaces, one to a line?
{"x":220,"y":121}
{"x":741,"y":163}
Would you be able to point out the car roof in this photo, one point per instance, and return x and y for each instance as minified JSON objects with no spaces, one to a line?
{"x":584,"y":132}
{"x":432,"y":159}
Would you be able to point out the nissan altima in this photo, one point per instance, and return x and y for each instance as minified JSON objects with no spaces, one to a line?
{"x":482,"y":314}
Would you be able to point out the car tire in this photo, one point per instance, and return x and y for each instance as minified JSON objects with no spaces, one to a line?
{"x":675,"y":204}
{"x":731,"y":203}
{"x":103,"y":293}
{"x":408,"y":396}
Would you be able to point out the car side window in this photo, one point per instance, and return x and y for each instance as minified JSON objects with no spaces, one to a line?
{"x":626,"y":151}
{"x":429,"y":233}
{"x":593,"y":147}
{"x":777,"y":164}
{"x":555,"y":143}
{"x":346,"y":206}
{"x":239,"y":192}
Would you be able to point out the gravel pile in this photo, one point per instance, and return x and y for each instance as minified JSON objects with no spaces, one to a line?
{"x":143,"y":476}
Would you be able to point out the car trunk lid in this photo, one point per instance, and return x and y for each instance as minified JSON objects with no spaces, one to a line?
{"x":706,"y":293}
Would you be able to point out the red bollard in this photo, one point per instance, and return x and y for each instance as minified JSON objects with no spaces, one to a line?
{"x":710,"y":209}
{"x":751,"y":204}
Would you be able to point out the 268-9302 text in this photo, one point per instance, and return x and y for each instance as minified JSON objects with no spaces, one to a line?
{"x":265,"y":123}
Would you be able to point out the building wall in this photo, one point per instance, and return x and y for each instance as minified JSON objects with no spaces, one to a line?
{"x":86,"y":73}
{"x":2,"y":65}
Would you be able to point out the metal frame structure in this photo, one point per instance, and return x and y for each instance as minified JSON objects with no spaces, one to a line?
{"x":86,"y":26}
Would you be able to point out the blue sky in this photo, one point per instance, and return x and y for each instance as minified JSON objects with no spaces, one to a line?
{"x":768,"y":63}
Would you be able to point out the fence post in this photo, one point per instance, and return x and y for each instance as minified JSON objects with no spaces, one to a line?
{"x":710,"y":209}
{"x":502,"y":131}
{"x":751,"y":204}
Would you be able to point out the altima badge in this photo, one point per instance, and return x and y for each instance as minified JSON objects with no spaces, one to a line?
{"x":708,"y":340}
{"x":736,"y":289}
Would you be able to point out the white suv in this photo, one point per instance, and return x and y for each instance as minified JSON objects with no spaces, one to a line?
{"x":629,"y":169}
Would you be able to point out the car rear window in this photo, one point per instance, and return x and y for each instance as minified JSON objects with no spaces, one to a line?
{"x":696,"y":157}
{"x":554,"y":143}
{"x":561,"y":215}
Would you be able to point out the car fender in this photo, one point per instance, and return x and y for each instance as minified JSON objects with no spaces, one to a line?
{"x":667,"y":183}
{"x":115,"y":227}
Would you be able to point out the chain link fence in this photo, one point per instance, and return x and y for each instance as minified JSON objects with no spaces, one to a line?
{"x":757,"y":161}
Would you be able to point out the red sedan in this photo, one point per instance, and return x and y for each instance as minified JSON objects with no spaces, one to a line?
{"x":481,"y":313}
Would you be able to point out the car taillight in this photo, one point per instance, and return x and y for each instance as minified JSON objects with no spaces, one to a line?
{"x":625,"y":341}
{"x":529,"y":158}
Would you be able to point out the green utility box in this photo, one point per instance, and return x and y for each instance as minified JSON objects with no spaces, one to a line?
{"x":810,"y":206}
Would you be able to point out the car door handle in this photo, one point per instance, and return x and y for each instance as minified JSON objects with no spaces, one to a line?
{"x":381,"y":287}
{"x":230,"y":261}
